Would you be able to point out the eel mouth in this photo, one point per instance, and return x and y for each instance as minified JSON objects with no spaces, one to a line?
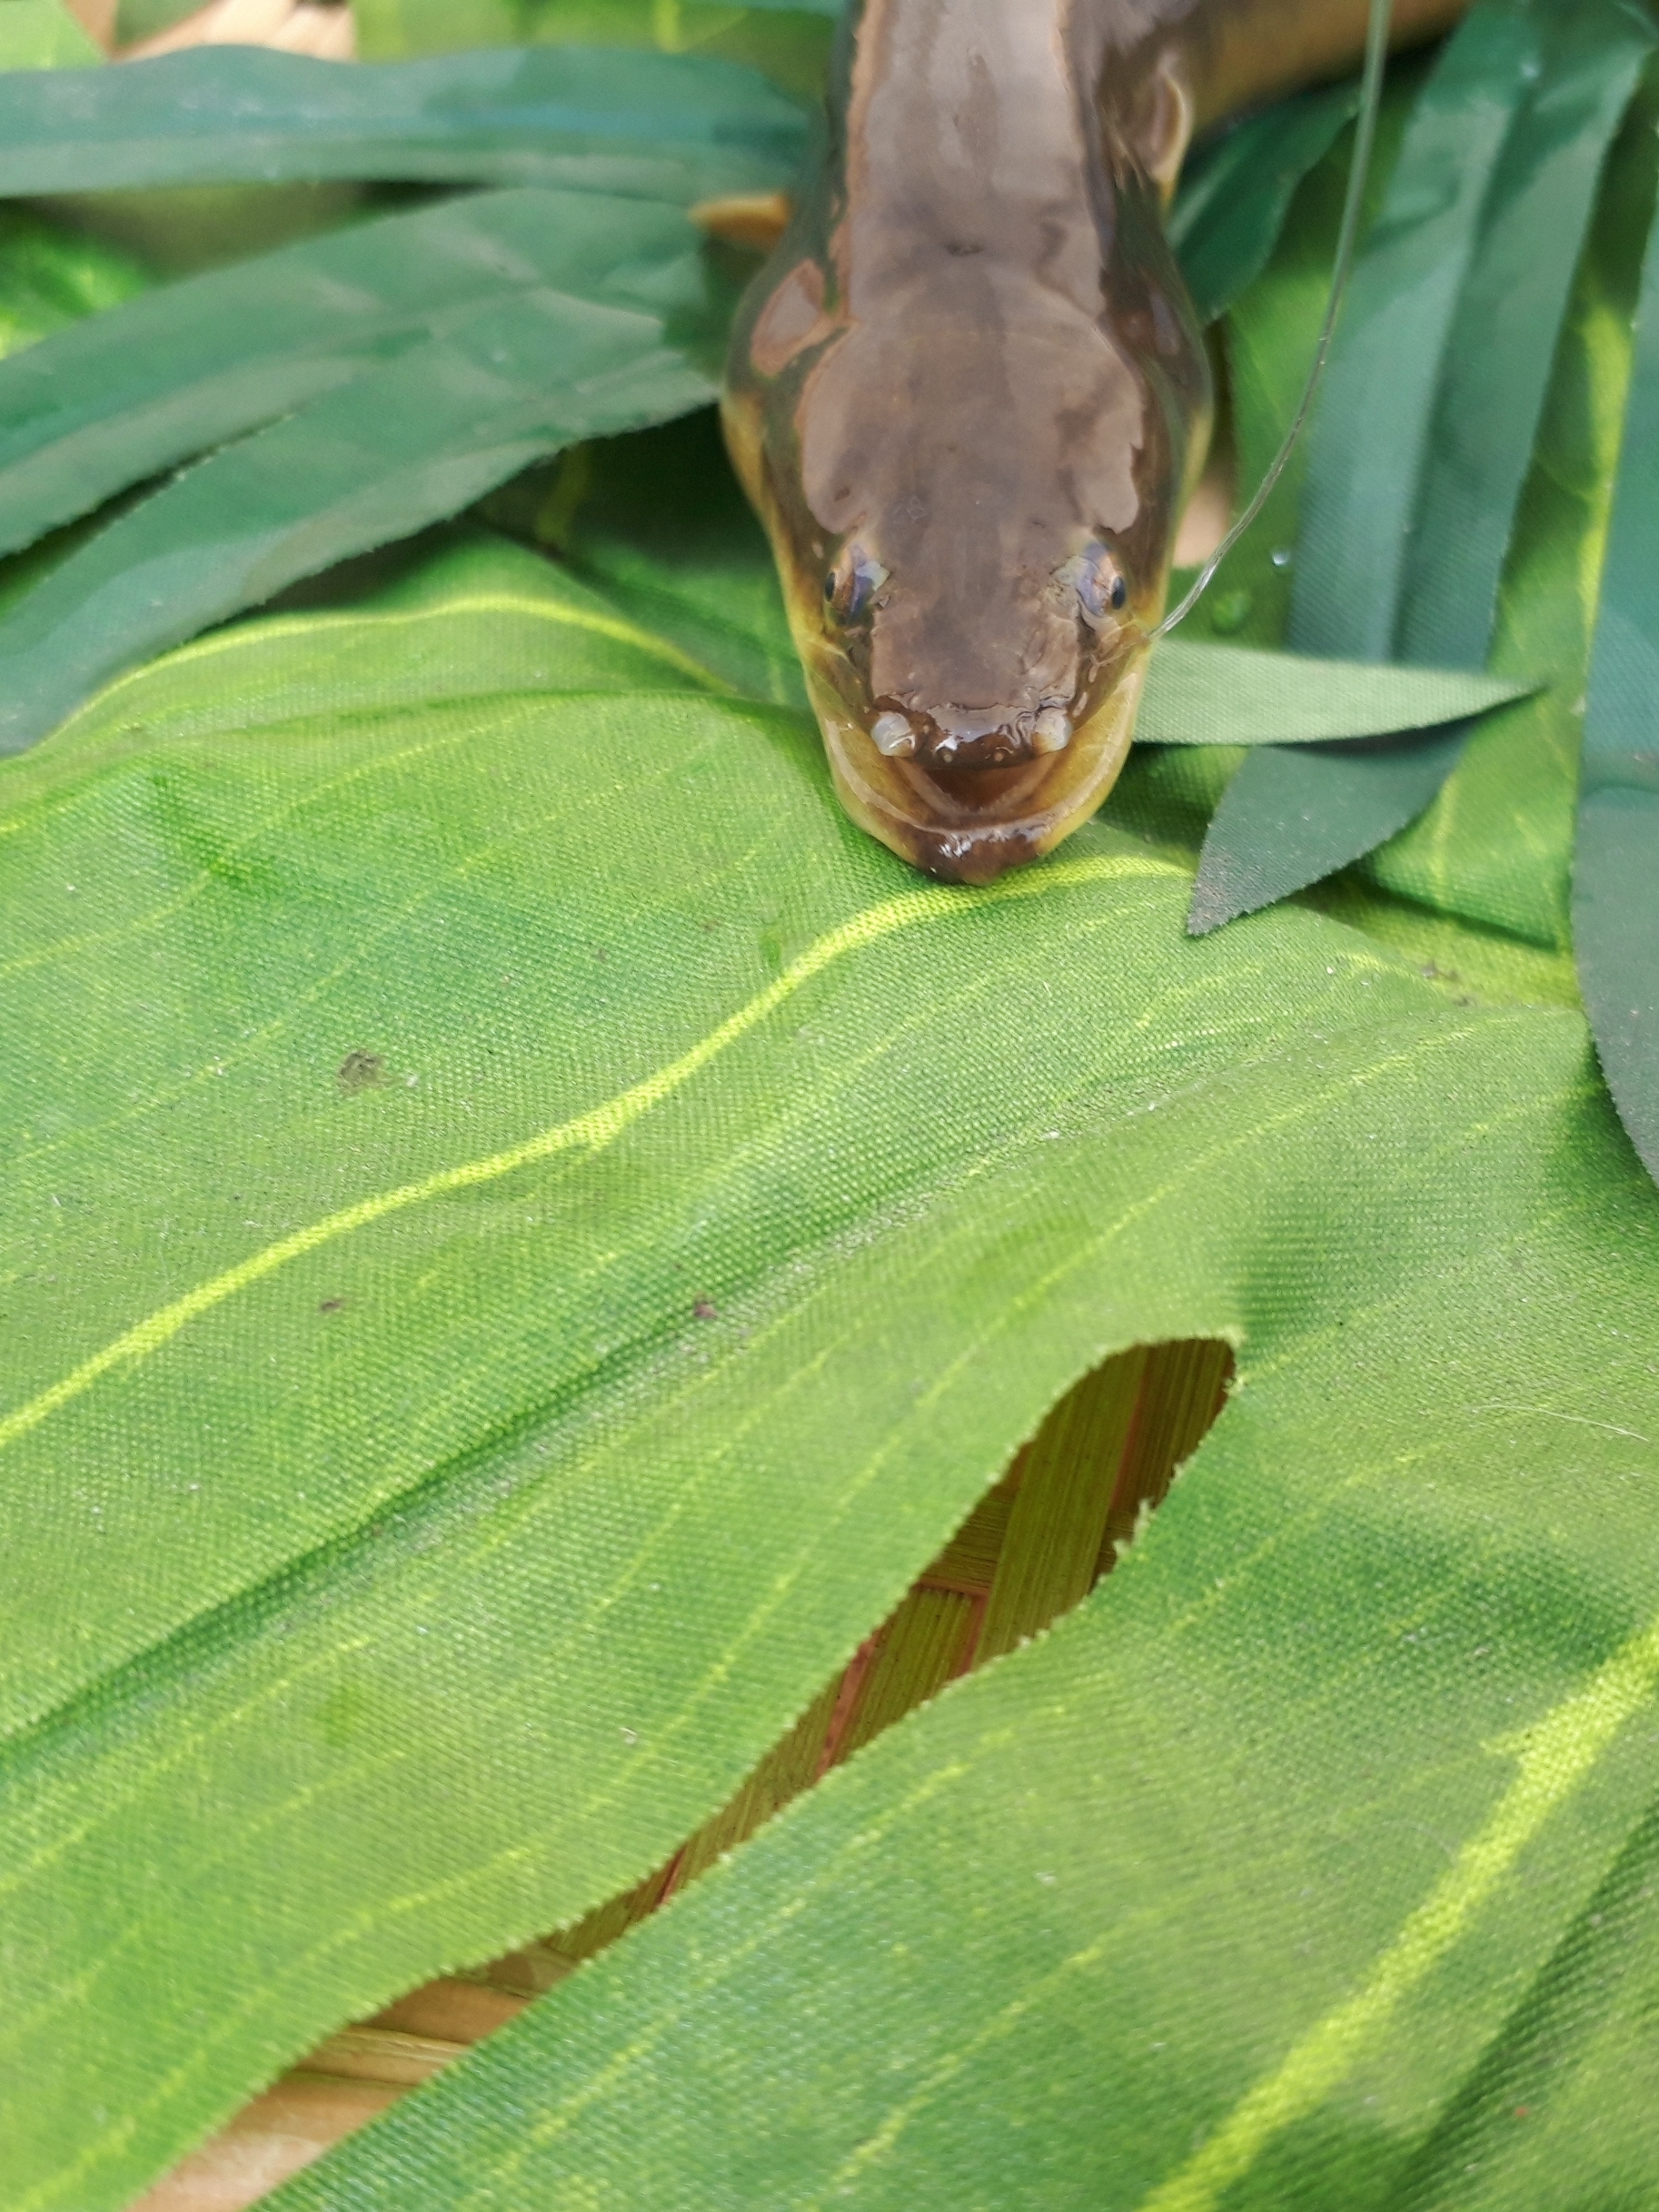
{"x":967,"y":824}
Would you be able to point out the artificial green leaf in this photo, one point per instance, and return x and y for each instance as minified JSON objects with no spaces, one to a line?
{"x":1615,"y":874}
{"x":1503,"y":339}
{"x":423,"y":306}
{"x":1269,"y":340}
{"x":398,"y":1079}
{"x":1236,"y":194}
{"x":124,"y":396}
{"x":598,"y":339}
{"x":50,"y":277}
{"x":658,"y":524}
{"x":1239,"y":695}
{"x":43,"y":35}
{"x":1496,"y":845}
{"x":1473,"y":964}
{"x":1424,"y":428}
{"x":1331,"y":1780}
{"x":1287,"y":818}
{"x":1426,"y":422}
{"x":1167,"y":795}
{"x":666,"y":126}
{"x":1300,"y":1835}
{"x":788,"y":40}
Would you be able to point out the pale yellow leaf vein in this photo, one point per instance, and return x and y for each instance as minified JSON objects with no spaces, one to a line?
{"x":240,"y":638}
{"x":561,"y":2118}
{"x":1558,"y":1754}
{"x":1549,"y":1412}
{"x":1000,"y":2025}
{"x":599,"y":1127}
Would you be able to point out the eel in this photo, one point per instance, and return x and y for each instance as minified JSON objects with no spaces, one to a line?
{"x":967,"y":394}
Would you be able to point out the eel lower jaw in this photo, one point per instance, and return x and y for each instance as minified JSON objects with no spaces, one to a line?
{"x":969,"y":825}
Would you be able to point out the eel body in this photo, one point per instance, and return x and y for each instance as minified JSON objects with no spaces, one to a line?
{"x":967,"y":394}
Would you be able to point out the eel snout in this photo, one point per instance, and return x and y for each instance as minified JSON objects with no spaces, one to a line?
{"x":965,"y":793}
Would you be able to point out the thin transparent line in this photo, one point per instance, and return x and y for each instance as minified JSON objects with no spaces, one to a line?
{"x":1359,"y":176}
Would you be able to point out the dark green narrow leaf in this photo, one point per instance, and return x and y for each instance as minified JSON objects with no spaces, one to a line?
{"x":1428,"y":421}
{"x":670,"y":126}
{"x":1236,"y":193}
{"x":1426,"y":427}
{"x":1239,"y":695}
{"x":1496,"y":845}
{"x":1395,"y":346}
{"x":118,"y":399}
{"x":1615,"y":875}
{"x":369,"y":462}
{"x":1283,"y":812}
{"x":787,"y":41}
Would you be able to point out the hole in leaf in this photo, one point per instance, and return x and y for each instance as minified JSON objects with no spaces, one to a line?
{"x":1035,"y":1544}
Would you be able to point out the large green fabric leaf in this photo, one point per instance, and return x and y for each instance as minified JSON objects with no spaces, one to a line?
{"x":1310,"y":1857}
{"x":1426,"y":425}
{"x":429,"y":1006}
{"x":673,"y":126}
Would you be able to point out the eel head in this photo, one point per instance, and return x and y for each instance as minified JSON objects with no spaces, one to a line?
{"x":973,"y":517}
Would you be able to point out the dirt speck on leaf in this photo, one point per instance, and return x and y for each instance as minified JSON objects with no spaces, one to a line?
{"x":359,"y":1070}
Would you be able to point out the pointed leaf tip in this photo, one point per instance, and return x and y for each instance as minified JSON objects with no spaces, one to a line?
{"x":1290,"y":818}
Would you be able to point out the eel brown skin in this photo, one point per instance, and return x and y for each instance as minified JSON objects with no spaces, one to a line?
{"x":967,"y":394}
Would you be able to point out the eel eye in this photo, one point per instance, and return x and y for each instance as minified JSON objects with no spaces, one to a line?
{"x":853,"y":584}
{"x":1101,"y":584}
